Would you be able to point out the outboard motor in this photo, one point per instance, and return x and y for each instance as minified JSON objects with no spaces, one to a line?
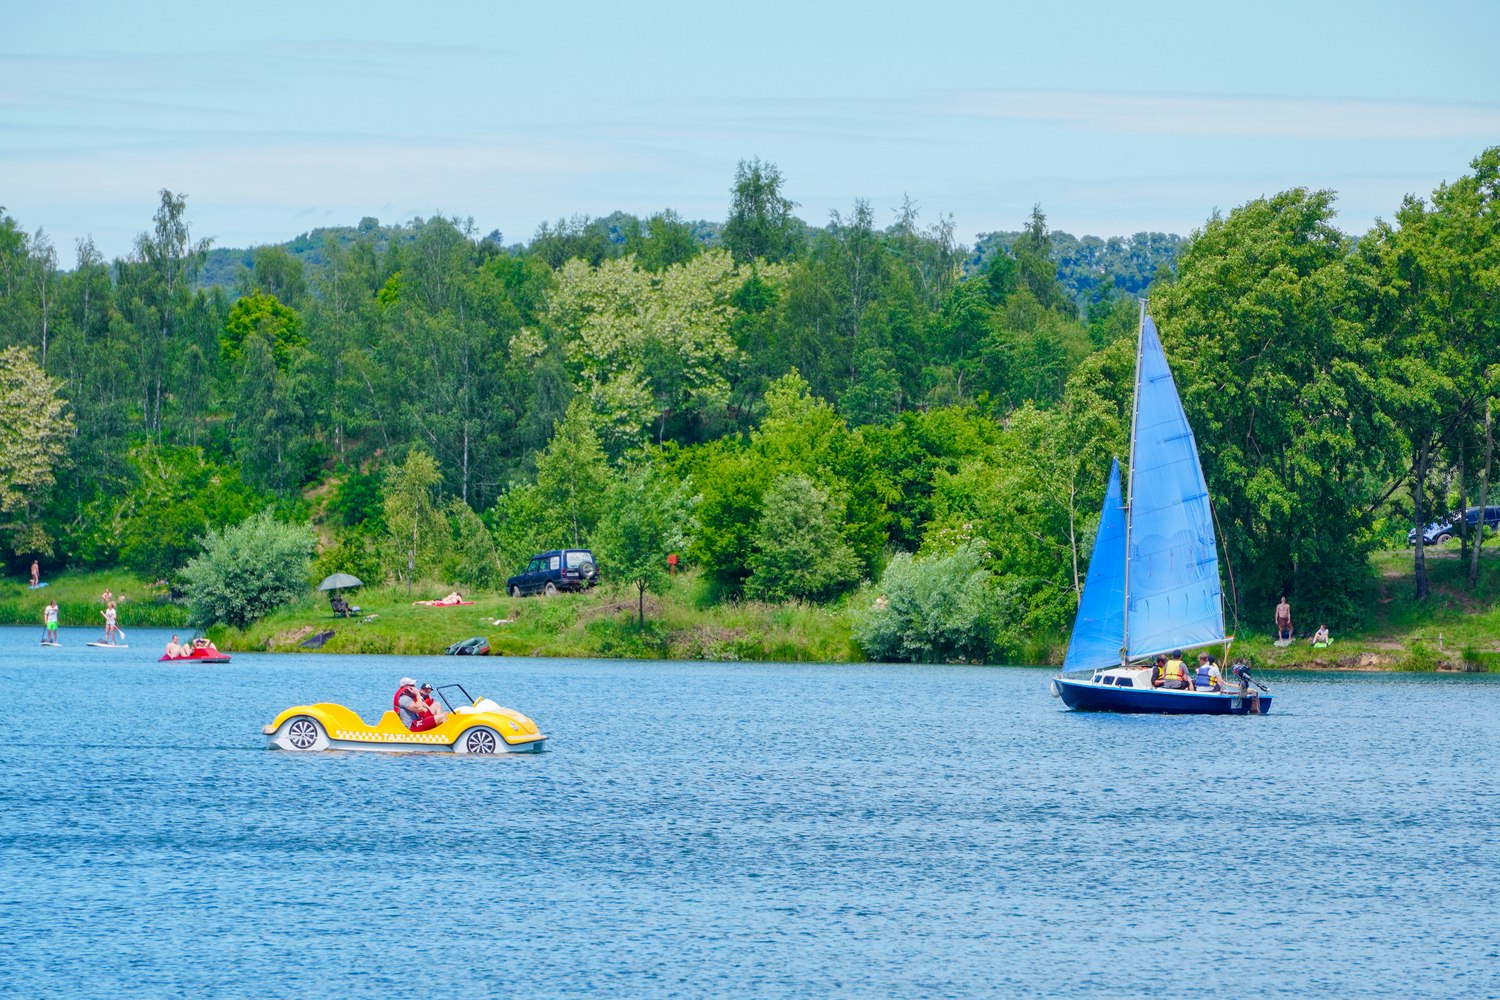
{"x":1241,"y":671}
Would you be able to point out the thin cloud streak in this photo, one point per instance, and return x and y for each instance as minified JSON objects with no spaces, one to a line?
{"x":1238,"y":117}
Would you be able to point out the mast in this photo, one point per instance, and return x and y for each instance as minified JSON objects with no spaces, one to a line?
{"x":1135,"y":403}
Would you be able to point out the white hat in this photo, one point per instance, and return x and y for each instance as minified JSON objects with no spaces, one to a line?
{"x":407,"y":682}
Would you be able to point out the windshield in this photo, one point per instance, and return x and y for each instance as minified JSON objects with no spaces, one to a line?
{"x":454,"y":696}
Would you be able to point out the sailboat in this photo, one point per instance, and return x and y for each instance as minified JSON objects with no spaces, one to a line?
{"x":1152,"y":586}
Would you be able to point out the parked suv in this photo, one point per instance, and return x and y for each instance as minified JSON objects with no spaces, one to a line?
{"x":1440,"y":531}
{"x":550,"y":572}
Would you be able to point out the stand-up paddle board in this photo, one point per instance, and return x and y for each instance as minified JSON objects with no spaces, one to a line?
{"x":109,"y":645}
{"x":46,"y":643}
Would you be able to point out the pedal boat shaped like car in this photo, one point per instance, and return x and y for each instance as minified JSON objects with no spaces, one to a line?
{"x":473,"y":726}
{"x":197,"y":655}
{"x":1128,"y":689}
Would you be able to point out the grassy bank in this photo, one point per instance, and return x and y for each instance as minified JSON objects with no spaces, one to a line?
{"x":79,"y":598}
{"x":1455,"y":628}
{"x":680,"y":624}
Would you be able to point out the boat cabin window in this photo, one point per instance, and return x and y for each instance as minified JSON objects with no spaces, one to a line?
{"x":1125,"y":682}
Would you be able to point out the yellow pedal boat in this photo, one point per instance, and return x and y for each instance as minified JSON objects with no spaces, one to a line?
{"x":473,"y":726}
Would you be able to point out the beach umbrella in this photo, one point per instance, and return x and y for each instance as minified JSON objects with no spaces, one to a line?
{"x":339,"y":581}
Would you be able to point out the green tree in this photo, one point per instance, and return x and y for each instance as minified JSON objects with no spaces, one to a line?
{"x":169,"y":499}
{"x":247,"y":571}
{"x":1435,"y":310}
{"x":411,"y":516}
{"x":34,"y":431}
{"x":648,"y":346}
{"x":261,"y":313}
{"x":574,"y":473}
{"x":932,"y":609}
{"x":760,"y":224}
{"x":666,"y":240}
{"x":156,"y":283}
{"x":473,"y":560}
{"x":649,"y":519}
{"x":1268,"y":343}
{"x":799,"y":551}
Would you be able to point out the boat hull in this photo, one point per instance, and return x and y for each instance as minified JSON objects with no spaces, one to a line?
{"x":1087,"y":696}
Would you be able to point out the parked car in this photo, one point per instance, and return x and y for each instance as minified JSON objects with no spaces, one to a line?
{"x":551,"y":572}
{"x":1439,"y":532}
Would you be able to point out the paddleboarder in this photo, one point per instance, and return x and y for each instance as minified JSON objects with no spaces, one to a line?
{"x":49,"y":621}
{"x":110,"y":628}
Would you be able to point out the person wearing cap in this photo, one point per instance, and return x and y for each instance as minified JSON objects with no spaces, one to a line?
{"x":406,"y":704}
{"x":429,"y":709}
{"x":1209,"y":677}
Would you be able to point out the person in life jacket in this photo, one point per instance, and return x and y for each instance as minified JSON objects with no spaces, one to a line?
{"x":1209,"y":677}
{"x":406,"y":704}
{"x":1173,"y":674}
{"x":429,"y":709}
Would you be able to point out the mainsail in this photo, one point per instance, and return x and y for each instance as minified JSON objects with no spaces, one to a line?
{"x":1153,"y":578}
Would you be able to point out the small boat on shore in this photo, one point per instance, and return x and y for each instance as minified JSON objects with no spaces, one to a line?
{"x":1152,"y":586}
{"x":475,"y":646}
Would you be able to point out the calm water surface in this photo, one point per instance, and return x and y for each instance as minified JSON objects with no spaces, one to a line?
{"x":737,"y":830}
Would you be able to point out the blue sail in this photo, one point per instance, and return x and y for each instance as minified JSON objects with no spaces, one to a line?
{"x":1099,"y":629}
{"x":1175,"y":599}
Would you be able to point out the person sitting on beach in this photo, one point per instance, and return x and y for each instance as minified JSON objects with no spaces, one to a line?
{"x":175,"y":650}
{"x":1320,"y":637}
{"x":340,"y":606}
{"x":429,"y":709}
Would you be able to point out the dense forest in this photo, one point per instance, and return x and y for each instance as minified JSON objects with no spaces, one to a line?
{"x":797,"y":411}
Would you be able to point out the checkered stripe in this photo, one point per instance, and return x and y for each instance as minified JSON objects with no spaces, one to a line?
{"x":345,"y":734}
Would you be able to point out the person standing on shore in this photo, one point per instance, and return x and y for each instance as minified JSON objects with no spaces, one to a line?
{"x":36,"y":575}
{"x":1283,"y":619}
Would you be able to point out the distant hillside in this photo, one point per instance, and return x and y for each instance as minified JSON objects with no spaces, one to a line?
{"x":1085,"y":264}
{"x":224,"y":264}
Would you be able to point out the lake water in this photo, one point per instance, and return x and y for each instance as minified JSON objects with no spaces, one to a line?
{"x":740,"y":830}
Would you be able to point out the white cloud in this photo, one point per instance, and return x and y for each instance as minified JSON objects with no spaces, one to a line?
{"x":1242,"y":117}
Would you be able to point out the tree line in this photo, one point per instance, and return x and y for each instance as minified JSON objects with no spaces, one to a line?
{"x":797,"y":410}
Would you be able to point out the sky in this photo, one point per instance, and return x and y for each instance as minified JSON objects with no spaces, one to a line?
{"x":276,"y":118}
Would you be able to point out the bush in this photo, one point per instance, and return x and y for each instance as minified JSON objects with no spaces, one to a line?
{"x":933,"y":610}
{"x":247,"y":571}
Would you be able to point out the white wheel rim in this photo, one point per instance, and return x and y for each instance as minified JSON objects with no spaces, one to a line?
{"x":302,"y":733}
{"x":481,"y":741}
